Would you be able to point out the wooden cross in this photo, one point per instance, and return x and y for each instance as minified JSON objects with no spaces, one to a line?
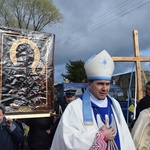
{"x":137,"y":59}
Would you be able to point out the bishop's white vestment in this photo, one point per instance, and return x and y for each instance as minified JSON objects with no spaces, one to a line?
{"x":141,"y":131}
{"x":73,"y":134}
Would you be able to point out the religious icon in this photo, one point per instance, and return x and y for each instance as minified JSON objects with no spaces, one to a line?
{"x":26,"y":71}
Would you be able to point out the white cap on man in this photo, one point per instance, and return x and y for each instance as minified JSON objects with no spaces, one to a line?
{"x":99,"y":67}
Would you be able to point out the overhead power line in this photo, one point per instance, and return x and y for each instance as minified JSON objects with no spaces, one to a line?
{"x":100,"y":21}
{"x":97,"y":19}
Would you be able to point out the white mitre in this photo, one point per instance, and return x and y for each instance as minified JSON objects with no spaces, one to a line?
{"x":99,"y":67}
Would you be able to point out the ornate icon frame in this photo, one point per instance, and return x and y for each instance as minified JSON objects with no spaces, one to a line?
{"x":27,"y":72}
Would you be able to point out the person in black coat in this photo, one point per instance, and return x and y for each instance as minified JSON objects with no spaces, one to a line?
{"x":11,"y":134}
{"x":68,"y":98}
{"x":144,"y":103}
{"x":41,"y":132}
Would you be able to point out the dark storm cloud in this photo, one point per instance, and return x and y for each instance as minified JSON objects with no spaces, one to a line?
{"x":91,"y":26}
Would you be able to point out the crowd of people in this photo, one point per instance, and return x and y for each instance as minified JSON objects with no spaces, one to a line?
{"x":40,"y":133}
{"x":93,"y":121}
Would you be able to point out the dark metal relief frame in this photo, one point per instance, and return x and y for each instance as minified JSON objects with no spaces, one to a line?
{"x":26,"y":72}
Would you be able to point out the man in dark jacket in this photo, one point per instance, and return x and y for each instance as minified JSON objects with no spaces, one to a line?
{"x":10,"y":133}
{"x":41,"y":133}
{"x":144,"y":103}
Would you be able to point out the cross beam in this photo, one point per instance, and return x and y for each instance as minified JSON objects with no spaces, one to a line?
{"x":137,"y":59}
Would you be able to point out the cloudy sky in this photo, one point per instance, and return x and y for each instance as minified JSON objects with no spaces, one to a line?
{"x":91,"y":26}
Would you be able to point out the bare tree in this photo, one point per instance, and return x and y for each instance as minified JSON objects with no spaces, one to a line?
{"x":29,"y":14}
